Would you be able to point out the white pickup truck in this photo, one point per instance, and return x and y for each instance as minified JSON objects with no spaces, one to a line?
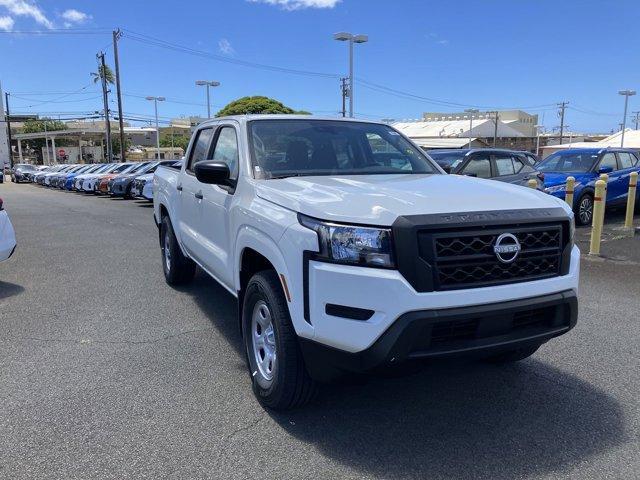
{"x":349,"y":249}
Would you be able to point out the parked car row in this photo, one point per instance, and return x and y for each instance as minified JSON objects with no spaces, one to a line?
{"x":584,"y":164}
{"x":127,"y":180}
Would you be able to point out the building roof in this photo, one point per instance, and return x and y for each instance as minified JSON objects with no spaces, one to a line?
{"x":442,"y":142}
{"x":483,"y":128}
{"x":631,"y":140}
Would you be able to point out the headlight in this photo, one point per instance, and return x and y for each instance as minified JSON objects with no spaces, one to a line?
{"x":364,"y":246}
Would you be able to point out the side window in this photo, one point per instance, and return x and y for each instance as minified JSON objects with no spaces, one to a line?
{"x":479,"y":167}
{"x":518,"y":164}
{"x":226,"y":150}
{"x":626,"y":160}
{"x":504,"y":165}
{"x":200,"y":147}
{"x":609,"y":160}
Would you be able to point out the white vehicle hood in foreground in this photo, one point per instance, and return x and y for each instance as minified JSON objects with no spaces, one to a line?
{"x":380,"y":199}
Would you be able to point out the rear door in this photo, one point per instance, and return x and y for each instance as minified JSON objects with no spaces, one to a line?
{"x":189,"y":195}
{"x":626,"y":161}
{"x":504,"y":168}
{"x":478,"y":165}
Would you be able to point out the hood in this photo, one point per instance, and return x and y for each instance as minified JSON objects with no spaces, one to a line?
{"x":380,"y":199}
{"x":146,"y":176}
{"x":551,"y":179}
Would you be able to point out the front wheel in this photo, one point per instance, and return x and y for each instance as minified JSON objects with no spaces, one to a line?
{"x":278,"y":373}
{"x":584,"y":209}
{"x":177,"y":268}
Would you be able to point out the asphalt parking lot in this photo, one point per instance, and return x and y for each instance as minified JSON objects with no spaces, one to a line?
{"x":107,"y":372}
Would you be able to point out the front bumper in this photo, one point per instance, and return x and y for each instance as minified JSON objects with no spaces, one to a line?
{"x":474,"y":330}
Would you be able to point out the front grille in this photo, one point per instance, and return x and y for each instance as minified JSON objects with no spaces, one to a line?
{"x":466,"y":259}
{"x":444,"y":332}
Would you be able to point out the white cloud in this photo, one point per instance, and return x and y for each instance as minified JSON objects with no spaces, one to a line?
{"x":75,"y":16}
{"x":225,"y":47}
{"x":443,"y":42}
{"x":6,"y":23}
{"x":26,"y":8}
{"x":299,"y":4}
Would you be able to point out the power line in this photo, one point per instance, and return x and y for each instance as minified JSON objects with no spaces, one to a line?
{"x":146,"y":39}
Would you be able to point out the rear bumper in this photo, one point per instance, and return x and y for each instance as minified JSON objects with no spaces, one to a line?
{"x":451,"y":332}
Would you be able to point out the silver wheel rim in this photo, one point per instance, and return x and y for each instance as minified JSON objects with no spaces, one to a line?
{"x":586,"y":210}
{"x":263,"y":340}
{"x":167,"y":252}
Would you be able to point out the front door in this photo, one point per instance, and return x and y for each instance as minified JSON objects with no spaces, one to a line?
{"x":188,"y":187}
{"x":216,"y":203}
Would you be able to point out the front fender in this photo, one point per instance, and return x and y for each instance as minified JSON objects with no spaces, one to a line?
{"x":250,"y":237}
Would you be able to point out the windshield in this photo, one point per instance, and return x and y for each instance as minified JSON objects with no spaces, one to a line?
{"x":139,"y":167}
{"x":25,"y":167}
{"x":568,"y":162}
{"x":448,"y":158}
{"x":282,"y":148}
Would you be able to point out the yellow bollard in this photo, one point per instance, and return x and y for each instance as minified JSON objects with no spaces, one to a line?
{"x":532,"y":183}
{"x":568,"y":196}
{"x":598,"y":216}
{"x":605,"y":178}
{"x":631,"y":199}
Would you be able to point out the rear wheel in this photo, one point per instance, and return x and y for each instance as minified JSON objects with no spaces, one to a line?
{"x":278,"y":374}
{"x":513,"y":355}
{"x":177,"y":268}
{"x":584,"y":209}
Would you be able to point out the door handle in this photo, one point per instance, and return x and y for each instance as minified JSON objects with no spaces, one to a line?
{"x":179,"y":188}
{"x":198,"y":195}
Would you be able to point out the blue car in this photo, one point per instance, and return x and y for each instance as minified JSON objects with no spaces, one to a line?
{"x":70,"y":177}
{"x":586,"y":165}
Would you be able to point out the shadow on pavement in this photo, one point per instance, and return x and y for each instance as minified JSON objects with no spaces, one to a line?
{"x":445,"y":420}
{"x":9,"y":289}
{"x":462,"y":421}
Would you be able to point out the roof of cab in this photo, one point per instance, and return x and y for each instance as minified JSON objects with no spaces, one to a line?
{"x":248,"y":118}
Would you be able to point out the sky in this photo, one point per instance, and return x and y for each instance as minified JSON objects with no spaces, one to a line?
{"x":422,"y":55}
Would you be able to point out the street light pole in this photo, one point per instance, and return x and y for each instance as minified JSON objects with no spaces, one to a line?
{"x":471,"y":111}
{"x":351,"y":38}
{"x":155,"y":104}
{"x":538,"y":128}
{"x":626,"y":94}
{"x":207,"y":84}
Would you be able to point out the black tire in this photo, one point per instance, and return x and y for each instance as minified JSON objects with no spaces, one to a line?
{"x":290,"y":385}
{"x":177,"y":268}
{"x":513,"y":355}
{"x":584,"y":209}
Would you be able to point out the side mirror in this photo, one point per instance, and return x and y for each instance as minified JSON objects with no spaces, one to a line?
{"x":214,"y":173}
{"x":605,"y":170}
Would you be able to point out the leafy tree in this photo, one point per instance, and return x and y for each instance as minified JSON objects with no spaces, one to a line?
{"x":108,"y":74}
{"x":256,"y":104}
{"x":179,"y":141}
{"x":115,"y":143}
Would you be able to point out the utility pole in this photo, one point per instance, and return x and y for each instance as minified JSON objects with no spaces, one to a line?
{"x":6,"y":102}
{"x":626,"y":94}
{"x":116,"y":36}
{"x":345,"y":94}
{"x":563,"y":106}
{"x":637,"y":119}
{"x":495,"y":127}
{"x":105,"y":99}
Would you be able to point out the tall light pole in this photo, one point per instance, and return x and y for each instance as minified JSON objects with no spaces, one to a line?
{"x":207,"y":83}
{"x":351,"y":38}
{"x":471,"y":112}
{"x":155,"y":104}
{"x":627,"y":94}
{"x":538,"y":130}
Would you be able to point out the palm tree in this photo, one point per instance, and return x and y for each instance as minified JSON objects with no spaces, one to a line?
{"x":108,"y":75}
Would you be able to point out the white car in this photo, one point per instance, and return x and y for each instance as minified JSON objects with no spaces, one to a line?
{"x":7,"y":235}
{"x":349,"y":249}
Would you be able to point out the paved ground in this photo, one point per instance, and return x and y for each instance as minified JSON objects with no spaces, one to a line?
{"x":106,"y":372}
